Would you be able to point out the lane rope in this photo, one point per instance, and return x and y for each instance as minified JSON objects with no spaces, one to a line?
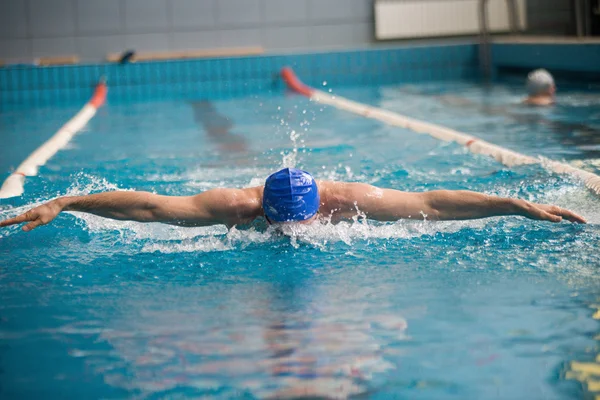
{"x":14,"y":185}
{"x":505,"y":156}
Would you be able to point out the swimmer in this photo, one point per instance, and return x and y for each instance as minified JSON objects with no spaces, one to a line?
{"x":540,"y":88}
{"x":291,"y":195}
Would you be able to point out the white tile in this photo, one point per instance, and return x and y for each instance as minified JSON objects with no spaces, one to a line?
{"x":240,"y":37}
{"x":193,"y":13}
{"x":363,"y":32}
{"x":147,"y":42}
{"x":51,"y":18}
{"x":99,"y":17}
{"x":332,"y":35}
{"x":330,"y":10}
{"x":13,"y":19}
{"x":282,"y":11}
{"x":278,"y":38}
{"x":238,"y":12}
{"x":194,"y":40}
{"x":53,"y":47}
{"x":146,"y":16}
{"x":96,"y":48}
{"x":15,"y":50}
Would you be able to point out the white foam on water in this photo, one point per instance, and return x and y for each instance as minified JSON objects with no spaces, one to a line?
{"x":319,"y":235}
{"x":155,"y":237}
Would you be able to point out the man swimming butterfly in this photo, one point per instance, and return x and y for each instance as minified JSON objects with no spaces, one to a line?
{"x":291,"y":195}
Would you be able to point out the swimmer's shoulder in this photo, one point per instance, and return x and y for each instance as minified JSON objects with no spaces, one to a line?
{"x":533,"y":102}
{"x":340,"y":195}
{"x":330,"y":188}
{"x":242,"y":206}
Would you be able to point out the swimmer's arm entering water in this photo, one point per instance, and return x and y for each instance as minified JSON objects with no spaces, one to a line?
{"x":216,"y":206}
{"x":391,"y":205}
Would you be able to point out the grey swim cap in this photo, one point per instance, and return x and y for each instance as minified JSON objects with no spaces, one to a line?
{"x":539,"y":82}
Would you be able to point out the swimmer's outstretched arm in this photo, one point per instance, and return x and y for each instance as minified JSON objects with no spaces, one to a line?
{"x":391,"y":205}
{"x":216,"y":206}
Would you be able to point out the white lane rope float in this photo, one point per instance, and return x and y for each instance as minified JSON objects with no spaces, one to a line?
{"x":474,"y":144}
{"x":13,"y":185}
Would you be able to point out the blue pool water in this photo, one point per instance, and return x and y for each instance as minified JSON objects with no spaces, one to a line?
{"x":494,"y":309}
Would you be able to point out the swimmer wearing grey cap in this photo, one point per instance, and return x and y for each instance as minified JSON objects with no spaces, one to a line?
{"x":540,"y":88}
{"x":292,"y":196}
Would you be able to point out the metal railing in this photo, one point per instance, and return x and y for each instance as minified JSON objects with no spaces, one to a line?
{"x":484,"y":41}
{"x":582,"y":18}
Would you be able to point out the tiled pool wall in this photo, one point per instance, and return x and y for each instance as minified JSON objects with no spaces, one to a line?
{"x":571,"y":61}
{"x":227,"y":77}
{"x":217,"y":78}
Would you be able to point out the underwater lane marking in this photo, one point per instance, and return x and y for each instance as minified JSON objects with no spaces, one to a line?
{"x":13,"y":185}
{"x":474,"y":144}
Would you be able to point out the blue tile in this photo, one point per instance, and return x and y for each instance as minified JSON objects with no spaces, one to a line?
{"x":99,"y":17}
{"x":13,"y":19}
{"x":146,"y":16}
{"x":51,"y":18}
{"x":285,"y":11}
{"x":229,"y":77}
{"x":188,"y":14}
{"x":238,"y":12}
{"x":433,"y":55}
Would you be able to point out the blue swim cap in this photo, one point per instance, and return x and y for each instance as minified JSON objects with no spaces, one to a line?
{"x":290,"y":195}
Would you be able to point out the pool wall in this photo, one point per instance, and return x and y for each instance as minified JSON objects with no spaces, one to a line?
{"x":228,"y":77}
{"x":31,"y":86}
{"x":575,"y":60}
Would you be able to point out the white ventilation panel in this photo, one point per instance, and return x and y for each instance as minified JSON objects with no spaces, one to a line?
{"x":398,"y":19}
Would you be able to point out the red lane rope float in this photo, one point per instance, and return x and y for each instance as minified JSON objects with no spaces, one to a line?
{"x":99,"y":97}
{"x":294,"y":83}
{"x":474,"y":144}
{"x":13,"y":185}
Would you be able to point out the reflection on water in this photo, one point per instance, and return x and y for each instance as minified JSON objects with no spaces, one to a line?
{"x":218,"y":127}
{"x":324,"y":349}
{"x":588,"y":372}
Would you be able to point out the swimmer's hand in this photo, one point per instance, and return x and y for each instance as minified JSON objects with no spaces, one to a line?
{"x":38,"y":216}
{"x":546,"y":212}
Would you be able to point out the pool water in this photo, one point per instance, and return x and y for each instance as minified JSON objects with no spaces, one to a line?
{"x":495,"y":308}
